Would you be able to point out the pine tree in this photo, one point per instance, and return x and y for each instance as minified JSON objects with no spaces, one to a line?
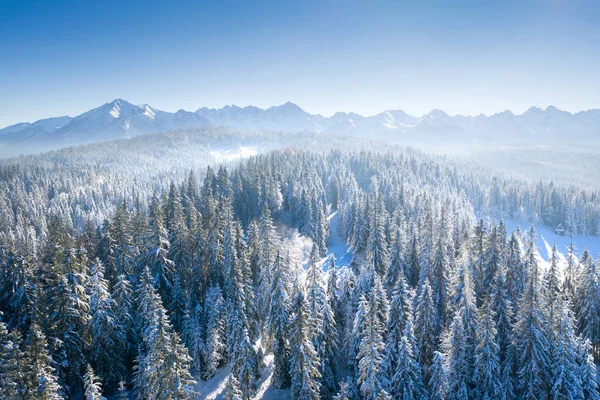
{"x":551,"y":284}
{"x":566,"y":382}
{"x":327,"y":351}
{"x":400,"y":312}
{"x":162,"y":364}
{"x":92,"y":386}
{"x":371,"y":377}
{"x":315,"y":297}
{"x":396,"y":266}
{"x":124,"y":251}
{"x":193,"y":335}
{"x":232,"y":389}
{"x":460,"y":342}
{"x":377,"y":247}
{"x":21,"y":292}
{"x":268,"y":245}
{"x":515,"y":271}
{"x":438,"y":377}
{"x":41,"y":382}
{"x":245,"y":366}
{"x":122,"y":297}
{"x":439,"y":284}
{"x":571,"y":274}
{"x":304,"y":359}
{"x":344,"y":393}
{"x":588,"y":372}
{"x":412,"y":261}
{"x":104,"y":329}
{"x":68,"y":305}
{"x":278,"y":326}
{"x":588,"y":304}
{"x":426,"y":326}
{"x":333,"y":289}
{"x":122,"y":391}
{"x":503,"y":317}
{"x":161,"y":267}
{"x":478,"y":258}
{"x":492,"y":260}
{"x":407,"y":382}
{"x":11,"y":356}
{"x":215,"y":331}
{"x":487,"y":362}
{"x":531,"y":340}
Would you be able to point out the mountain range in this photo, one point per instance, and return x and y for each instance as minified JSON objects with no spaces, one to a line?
{"x":121,"y":119}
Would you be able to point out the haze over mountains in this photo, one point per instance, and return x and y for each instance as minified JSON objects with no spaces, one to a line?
{"x":121,"y":119}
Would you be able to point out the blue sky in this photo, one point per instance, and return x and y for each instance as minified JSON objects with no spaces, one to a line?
{"x":468,"y":57}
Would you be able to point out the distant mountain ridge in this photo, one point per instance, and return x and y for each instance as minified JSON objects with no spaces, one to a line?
{"x":121,"y":119}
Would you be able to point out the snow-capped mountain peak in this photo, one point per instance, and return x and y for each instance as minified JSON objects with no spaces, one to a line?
{"x":119,"y":118}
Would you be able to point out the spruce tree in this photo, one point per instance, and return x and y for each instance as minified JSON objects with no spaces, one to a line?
{"x":407,"y":382}
{"x":104,"y":328}
{"x":565,"y":379}
{"x":92,"y":388}
{"x":371,"y":377}
{"x":588,"y":372}
{"x":11,"y":356}
{"x":488,"y":385}
{"x":531,"y":333}
{"x":232,"y":389}
{"x":400,"y":311}
{"x":41,"y":382}
{"x":278,"y":326}
{"x":426,"y":326}
{"x":438,"y":377}
{"x":304,"y":361}
{"x":215,"y":332}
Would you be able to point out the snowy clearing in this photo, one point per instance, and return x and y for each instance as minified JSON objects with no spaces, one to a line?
{"x":337,"y":245}
{"x":224,"y":155}
{"x":547,"y":237}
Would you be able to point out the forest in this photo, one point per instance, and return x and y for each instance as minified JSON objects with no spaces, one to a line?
{"x":138,"y":269}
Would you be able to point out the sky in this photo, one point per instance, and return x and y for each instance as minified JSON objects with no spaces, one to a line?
{"x":465,"y":57}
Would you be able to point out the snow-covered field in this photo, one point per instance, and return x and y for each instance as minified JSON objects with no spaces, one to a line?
{"x":547,"y":237}
{"x":229,"y":154}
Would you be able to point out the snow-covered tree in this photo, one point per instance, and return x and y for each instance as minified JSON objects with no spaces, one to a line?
{"x":232,"y":389}
{"x":371,"y":377}
{"x":278,"y":326}
{"x":531,"y":332}
{"x":565,"y":379}
{"x":304,"y":361}
{"x":92,"y":388}
{"x":487,"y":362}
{"x":426,"y":326}
{"x":438,"y":377}
{"x":215,"y":331}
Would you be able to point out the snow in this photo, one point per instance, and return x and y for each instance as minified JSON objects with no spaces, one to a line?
{"x":224,"y":155}
{"x":337,"y":245}
{"x":265,"y":390}
{"x":546,"y":238}
{"x":149,"y":112}
{"x":214,"y":388}
{"x":115,"y":112}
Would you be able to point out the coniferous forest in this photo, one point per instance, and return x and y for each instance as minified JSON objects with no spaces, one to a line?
{"x":147,"y":268}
